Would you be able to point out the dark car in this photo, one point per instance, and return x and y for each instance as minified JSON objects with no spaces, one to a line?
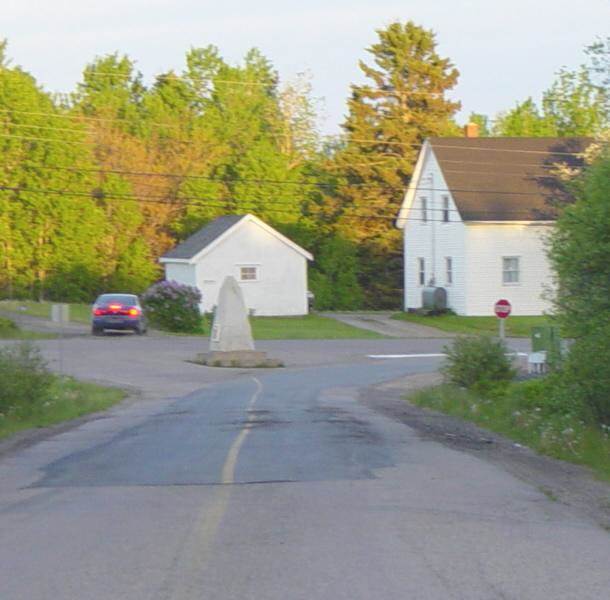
{"x":118,"y":312}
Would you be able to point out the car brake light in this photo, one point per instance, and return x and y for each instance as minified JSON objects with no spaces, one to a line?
{"x":98,"y":311}
{"x":134,"y":312}
{"x":115,"y":306}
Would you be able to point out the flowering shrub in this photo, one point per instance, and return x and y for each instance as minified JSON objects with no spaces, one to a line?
{"x":173,"y":306}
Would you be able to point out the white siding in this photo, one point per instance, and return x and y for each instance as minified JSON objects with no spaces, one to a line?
{"x":181,"y":272}
{"x":486,"y":245}
{"x":434,"y":240}
{"x":281,"y":288}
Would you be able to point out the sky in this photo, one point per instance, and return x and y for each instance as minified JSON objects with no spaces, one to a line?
{"x":505,"y":50}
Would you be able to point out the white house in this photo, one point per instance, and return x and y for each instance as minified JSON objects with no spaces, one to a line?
{"x":270,"y":268}
{"x":475,"y":217}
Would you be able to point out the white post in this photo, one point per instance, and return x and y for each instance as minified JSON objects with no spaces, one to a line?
{"x":502,"y":329}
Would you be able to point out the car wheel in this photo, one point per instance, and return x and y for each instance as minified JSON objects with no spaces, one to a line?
{"x":140,"y":330}
{"x":97,"y":331}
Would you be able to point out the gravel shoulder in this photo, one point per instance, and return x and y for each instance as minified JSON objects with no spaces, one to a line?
{"x":569,"y":485}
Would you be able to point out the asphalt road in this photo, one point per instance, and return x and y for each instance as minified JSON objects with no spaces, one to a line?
{"x":275,"y":485}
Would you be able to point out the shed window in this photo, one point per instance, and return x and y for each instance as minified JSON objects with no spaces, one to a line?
{"x":449,"y":270}
{"x":445,"y":209}
{"x":424,"y":210}
{"x":421,"y":263}
{"x":510,"y":269}
{"x":248,"y":273}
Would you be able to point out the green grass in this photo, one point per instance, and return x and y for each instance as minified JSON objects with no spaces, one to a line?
{"x":79,"y":312}
{"x":263,"y":328}
{"x":524,"y":414}
{"x":515,"y":326}
{"x":308,"y":327}
{"x":67,"y":399}
{"x":10,"y":331}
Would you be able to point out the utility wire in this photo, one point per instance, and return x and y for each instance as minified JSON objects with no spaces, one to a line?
{"x":377,"y":142}
{"x":170,"y":75}
{"x":218,"y":204}
{"x":182,"y":201}
{"x":274,"y":182}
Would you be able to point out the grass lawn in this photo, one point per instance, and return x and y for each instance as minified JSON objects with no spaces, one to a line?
{"x":67,"y":399}
{"x":524,"y":414}
{"x":515,"y":326}
{"x":80,"y":313}
{"x":263,"y":328}
{"x":308,"y":327}
{"x":10,"y":331}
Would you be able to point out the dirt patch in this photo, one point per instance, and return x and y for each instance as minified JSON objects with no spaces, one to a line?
{"x":566,"y":483}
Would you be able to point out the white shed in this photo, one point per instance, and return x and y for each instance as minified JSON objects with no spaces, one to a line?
{"x":270,"y":268}
{"x":475,"y":218}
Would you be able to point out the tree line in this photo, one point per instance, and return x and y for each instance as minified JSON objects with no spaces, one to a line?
{"x":96,"y":184}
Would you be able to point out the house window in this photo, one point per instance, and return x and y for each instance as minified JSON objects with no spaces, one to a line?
{"x":449,"y":270}
{"x":421,"y":263}
{"x":248,"y":273}
{"x":424,"y":210}
{"x":445,"y":209}
{"x":510,"y":270}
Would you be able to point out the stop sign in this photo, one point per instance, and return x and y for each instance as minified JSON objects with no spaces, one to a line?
{"x":502,"y":309}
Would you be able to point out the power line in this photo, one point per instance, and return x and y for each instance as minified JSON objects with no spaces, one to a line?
{"x":259,"y":181}
{"x":39,"y":139}
{"x":79,"y":117}
{"x":11,"y":125}
{"x":183,"y":201}
{"x":346,"y":138}
{"x":253,"y":82}
{"x":214,"y":204}
{"x":375,"y":142}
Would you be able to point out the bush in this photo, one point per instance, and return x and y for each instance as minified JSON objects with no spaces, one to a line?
{"x":24,"y":378}
{"x":585,"y":374}
{"x":173,"y":306}
{"x":479,"y":363}
{"x":8,"y":327}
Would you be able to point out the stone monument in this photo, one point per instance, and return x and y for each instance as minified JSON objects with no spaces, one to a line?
{"x":231,"y":330}
{"x":231,"y":343}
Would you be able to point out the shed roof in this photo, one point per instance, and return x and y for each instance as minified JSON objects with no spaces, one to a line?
{"x":201,"y":241}
{"x":507,"y":178}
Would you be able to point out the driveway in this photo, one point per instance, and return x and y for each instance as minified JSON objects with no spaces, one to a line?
{"x":381,"y":322}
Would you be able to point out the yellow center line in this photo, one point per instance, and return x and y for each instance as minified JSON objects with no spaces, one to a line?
{"x":228,"y":469}
{"x":185,"y":581}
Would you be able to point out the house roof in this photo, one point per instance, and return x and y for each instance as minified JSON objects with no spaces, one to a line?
{"x":208,"y":236}
{"x":506,"y":179}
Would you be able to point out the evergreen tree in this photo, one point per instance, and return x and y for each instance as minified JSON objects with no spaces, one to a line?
{"x":389,"y":117}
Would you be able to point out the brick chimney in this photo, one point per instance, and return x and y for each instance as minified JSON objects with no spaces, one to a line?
{"x":471,"y":130}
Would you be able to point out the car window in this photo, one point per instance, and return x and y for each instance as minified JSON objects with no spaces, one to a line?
{"x":119,"y":298}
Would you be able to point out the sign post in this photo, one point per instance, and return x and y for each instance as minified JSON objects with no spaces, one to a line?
{"x":502,"y":309}
{"x":60,"y":313}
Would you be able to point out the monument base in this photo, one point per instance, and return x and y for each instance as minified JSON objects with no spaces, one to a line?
{"x":249,"y":359}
